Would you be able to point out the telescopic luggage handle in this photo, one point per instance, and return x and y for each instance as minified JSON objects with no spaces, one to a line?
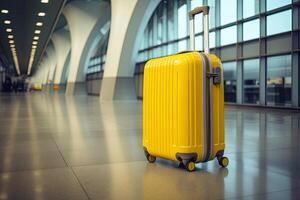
{"x":192,"y":13}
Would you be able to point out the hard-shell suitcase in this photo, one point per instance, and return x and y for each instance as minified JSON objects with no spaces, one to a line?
{"x":183,"y":105}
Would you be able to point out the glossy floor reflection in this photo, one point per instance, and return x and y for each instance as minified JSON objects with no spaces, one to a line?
{"x":57,"y":147}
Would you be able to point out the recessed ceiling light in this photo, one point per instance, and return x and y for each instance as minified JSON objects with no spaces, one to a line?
{"x":12,"y":45}
{"x":10,"y":36}
{"x":44,"y":1}
{"x":34,"y":42}
{"x":41,"y":14}
{"x":4,"y":11}
{"x":37,"y":31}
{"x":34,"y":46}
{"x":8,"y":30}
{"x":13,"y":48}
{"x":7,"y":22}
{"x":11,"y":41}
{"x":39,"y":24}
{"x":36,"y":37}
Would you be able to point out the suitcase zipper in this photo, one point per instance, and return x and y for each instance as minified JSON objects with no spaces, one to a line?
{"x":207,"y":122}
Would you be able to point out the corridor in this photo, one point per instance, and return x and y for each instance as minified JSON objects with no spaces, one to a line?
{"x":78,"y":147}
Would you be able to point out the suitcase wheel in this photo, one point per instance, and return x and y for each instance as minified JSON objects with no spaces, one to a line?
{"x":151,"y":159}
{"x":223,"y":161}
{"x":190,"y":166}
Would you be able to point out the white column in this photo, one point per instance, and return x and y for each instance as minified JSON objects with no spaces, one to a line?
{"x":84,"y":18}
{"x":52,"y":63}
{"x":62,"y":45}
{"x":129,"y":19}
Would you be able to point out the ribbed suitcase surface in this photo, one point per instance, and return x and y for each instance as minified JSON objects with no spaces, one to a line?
{"x":183,"y":106}
{"x":173,"y":107}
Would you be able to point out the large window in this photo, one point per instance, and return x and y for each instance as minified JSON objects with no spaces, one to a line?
{"x":182,"y":19}
{"x":182,"y":24}
{"x":229,"y":81}
{"x":279,"y":80}
{"x":241,"y":31}
{"x":251,"y":81}
{"x":212,"y":39}
{"x":196,"y":3}
{"x":150,"y":33}
{"x":97,"y":61}
{"x":279,"y":22}
{"x":228,"y":35}
{"x":272,"y":4}
{"x":198,"y":18}
{"x":250,"y":8}
{"x":171,"y":21}
{"x":199,"y":43}
{"x":251,"y":30}
{"x":161,"y":28}
{"x":212,"y":13}
{"x":228,"y":11}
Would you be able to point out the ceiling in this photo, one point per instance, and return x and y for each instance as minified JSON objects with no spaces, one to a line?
{"x":23,"y":15}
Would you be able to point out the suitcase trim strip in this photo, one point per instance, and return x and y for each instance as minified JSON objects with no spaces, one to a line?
{"x":205,"y":122}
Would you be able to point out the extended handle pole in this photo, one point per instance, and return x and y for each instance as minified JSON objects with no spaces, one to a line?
{"x":192,"y":14}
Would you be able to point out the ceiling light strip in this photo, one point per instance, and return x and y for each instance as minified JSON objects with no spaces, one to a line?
{"x":4,"y":11}
{"x":35,"y":38}
{"x":31,"y":59}
{"x":15,"y":58}
{"x":41,"y":14}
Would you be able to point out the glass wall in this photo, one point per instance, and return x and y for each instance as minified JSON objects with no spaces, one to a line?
{"x":251,"y":81}
{"x":250,"y":8}
{"x":272,"y":4}
{"x":256,"y":39}
{"x":251,"y":30}
{"x":228,"y":35}
{"x":279,"y":80}
{"x":229,"y":81}
{"x":97,"y":61}
{"x":279,"y":22}
{"x":228,"y":11}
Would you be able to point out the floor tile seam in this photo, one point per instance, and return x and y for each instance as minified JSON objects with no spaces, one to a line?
{"x":79,"y":182}
{"x":74,"y":174}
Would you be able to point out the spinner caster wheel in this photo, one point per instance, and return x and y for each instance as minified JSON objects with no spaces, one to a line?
{"x":190,"y":166}
{"x":151,"y":159}
{"x":223,"y":161}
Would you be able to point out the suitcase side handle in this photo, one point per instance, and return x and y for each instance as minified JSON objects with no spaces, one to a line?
{"x":192,"y":14}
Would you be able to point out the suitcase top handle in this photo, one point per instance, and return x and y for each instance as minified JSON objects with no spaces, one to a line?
{"x":198,"y":10}
{"x":192,"y":13}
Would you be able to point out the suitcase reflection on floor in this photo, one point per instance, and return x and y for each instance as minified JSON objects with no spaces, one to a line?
{"x":171,"y":183}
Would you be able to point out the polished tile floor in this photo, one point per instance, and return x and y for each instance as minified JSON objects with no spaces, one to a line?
{"x":57,"y":147}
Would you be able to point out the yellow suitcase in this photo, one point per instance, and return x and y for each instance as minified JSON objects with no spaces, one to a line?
{"x":183,"y":105}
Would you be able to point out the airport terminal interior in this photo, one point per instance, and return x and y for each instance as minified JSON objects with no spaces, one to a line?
{"x":72,"y":99}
